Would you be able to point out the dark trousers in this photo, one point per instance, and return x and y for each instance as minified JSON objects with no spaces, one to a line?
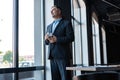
{"x":58,"y":69}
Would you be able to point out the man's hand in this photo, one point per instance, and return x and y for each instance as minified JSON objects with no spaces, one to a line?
{"x":52,"y":39}
{"x":46,"y":37}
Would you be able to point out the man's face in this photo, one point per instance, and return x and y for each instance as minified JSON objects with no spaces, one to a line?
{"x":55,"y":12}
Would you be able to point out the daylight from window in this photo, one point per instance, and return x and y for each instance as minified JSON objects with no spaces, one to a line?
{"x":26,"y":32}
{"x":6,"y":22}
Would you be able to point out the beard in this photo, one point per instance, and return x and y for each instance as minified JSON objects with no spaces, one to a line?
{"x":53,"y":16}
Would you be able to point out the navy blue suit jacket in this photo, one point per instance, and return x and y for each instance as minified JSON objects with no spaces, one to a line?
{"x":65,"y":35}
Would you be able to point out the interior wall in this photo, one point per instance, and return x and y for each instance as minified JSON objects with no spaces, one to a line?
{"x":89,"y":32}
{"x":113,"y":43}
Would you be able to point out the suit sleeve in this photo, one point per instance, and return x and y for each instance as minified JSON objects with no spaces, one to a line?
{"x":47,"y":41}
{"x":69,"y":34}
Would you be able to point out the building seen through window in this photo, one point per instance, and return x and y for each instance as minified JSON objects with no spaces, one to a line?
{"x":6,"y":24}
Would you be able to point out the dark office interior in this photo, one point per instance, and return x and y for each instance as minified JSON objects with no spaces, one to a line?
{"x":108,"y":17}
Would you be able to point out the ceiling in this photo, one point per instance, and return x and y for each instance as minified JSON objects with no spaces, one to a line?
{"x":108,"y":10}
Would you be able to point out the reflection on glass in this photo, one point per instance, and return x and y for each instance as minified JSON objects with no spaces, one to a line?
{"x":8,"y":76}
{"x":26,"y":33}
{"x":6,"y":20}
{"x":31,"y":75}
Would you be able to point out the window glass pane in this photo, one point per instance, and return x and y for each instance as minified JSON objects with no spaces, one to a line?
{"x":31,"y":75}
{"x":80,"y":29}
{"x":8,"y":76}
{"x":104,"y":45}
{"x":26,"y":33}
{"x":6,"y":21}
{"x":96,"y":45}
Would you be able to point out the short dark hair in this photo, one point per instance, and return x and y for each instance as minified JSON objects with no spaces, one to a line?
{"x":57,"y":7}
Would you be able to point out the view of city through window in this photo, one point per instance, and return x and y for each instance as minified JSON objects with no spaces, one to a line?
{"x":26,"y":33}
{"x":6,"y":22}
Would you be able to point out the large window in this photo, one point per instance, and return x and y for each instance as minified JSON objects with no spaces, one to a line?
{"x":26,"y":33}
{"x":6,"y":23}
{"x":80,"y":56}
{"x":79,"y":24}
{"x":21,"y":40}
{"x":104,"y":45}
{"x":96,"y":42}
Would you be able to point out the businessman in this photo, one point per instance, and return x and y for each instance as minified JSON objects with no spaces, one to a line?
{"x":58,"y":37}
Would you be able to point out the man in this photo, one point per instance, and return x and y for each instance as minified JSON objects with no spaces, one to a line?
{"x":59,"y":37}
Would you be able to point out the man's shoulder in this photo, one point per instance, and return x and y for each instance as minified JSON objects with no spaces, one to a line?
{"x":50,"y":24}
{"x":65,"y":20}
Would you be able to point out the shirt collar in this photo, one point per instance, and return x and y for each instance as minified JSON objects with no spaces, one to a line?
{"x":57,"y":20}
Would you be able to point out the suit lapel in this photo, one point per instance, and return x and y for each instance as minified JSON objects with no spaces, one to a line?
{"x":58,"y":26}
{"x":50,"y":28}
